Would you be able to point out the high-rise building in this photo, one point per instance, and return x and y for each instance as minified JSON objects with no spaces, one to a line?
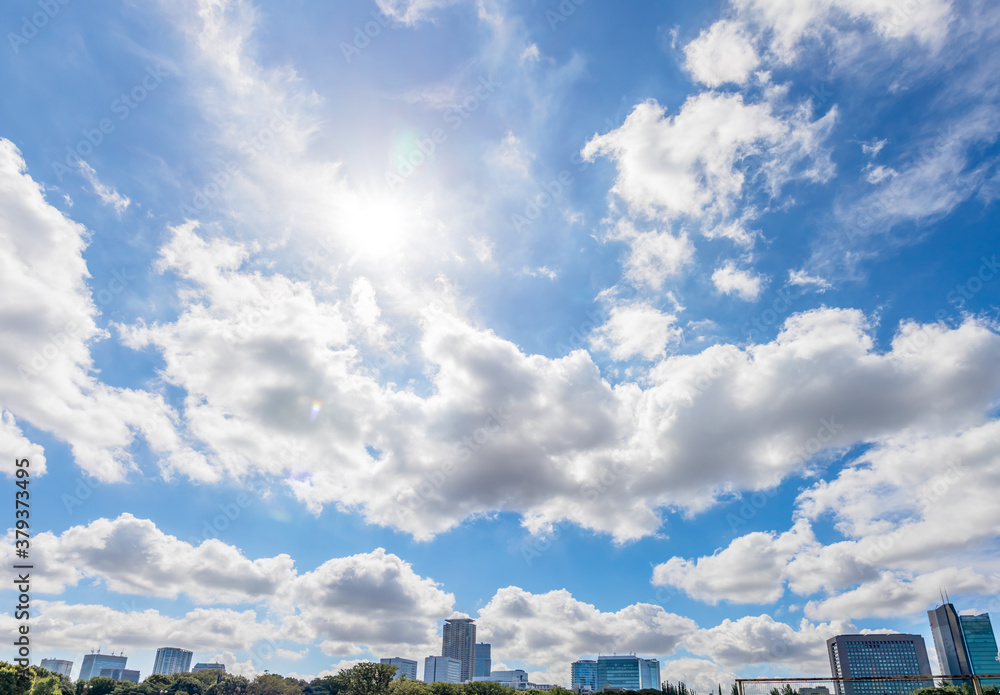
{"x":404,"y":667}
{"x":876,"y":656}
{"x":629,"y":672}
{"x":442,"y":669}
{"x":93,"y":664}
{"x":965,"y":644}
{"x":202,"y":666}
{"x":121,"y":674}
{"x":946,"y":629}
{"x":60,"y":666}
{"x":981,"y":646}
{"x":459,"y":642}
{"x":484,"y":662}
{"x":583,"y":675}
{"x":171,"y":660}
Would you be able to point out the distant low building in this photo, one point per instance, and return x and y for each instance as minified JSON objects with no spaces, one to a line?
{"x":121,"y":674}
{"x":818,"y":690}
{"x":516,"y":679}
{"x":202,"y":666}
{"x":404,"y":667}
{"x":60,"y":666}
{"x":442,"y":669}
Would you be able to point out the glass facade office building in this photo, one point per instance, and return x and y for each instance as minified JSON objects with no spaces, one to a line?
{"x":583,"y":675}
{"x":171,"y":660}
{"x":404,"y":667}
{"x":876,"y":656}
{"x":629,"y":672}
{"x":981,"y":646}
{"x":93,"y":664}
{"x":60,"y":666}
{"x":484,"y":662}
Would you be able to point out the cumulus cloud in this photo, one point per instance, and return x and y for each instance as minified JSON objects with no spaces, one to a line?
{"x":729,"y":279}
{"x":722,"y":53}
{"x":694,"y":164}
{"x":48,"y":379}
{"x":555,"y":628}
{"x":13,"y":441}
{"x":762,"y":640}
{"x":636,"y":329}
{"x":762,"y":559}
{"x":451,"y":454}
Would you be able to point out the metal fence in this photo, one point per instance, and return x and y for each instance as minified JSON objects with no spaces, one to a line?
{"x":872,"y":685}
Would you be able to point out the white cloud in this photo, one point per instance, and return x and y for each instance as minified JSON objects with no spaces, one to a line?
{"x":729,"y":279}
{"x":762,"y":640}
{"x":654,"y":256}
{"x":49,"y":380}
{"x":761,"y":558}
{"x":636,"y":329}
{"x":553,"y":629}
{"x":411,"y":11}
{"x":801,"y":278}
{"x":18,"y":447}
{"x":447,"y":455}
{"x":700,"y":675}
{"x":722,"y":53}
{"x":108,"y":195}
{"x":792,"y":21}
{"x":694,"y":164}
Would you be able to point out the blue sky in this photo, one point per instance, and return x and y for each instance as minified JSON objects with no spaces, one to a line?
{"x":636,"y":327}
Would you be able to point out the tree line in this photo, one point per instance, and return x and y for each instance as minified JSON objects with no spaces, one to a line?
{"x":363,"y":679}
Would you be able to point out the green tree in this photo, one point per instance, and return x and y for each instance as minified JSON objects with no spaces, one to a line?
{"x":273,"y":684}
{"x":404,"y":686}
{"x":14,"y":680}
{"x":368,"y":678}
{"x":328,"y":685}
{"x":488,"y":688}
{"x":445,"y":689}
{"x":783,"y":690}
{"x":229,"y":685}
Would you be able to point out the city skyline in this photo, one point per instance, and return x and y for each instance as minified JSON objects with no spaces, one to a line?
{"x":654,"y":328}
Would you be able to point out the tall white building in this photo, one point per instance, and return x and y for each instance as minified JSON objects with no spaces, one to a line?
{"x":459,"y":642}
{"x":171,"y":660}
